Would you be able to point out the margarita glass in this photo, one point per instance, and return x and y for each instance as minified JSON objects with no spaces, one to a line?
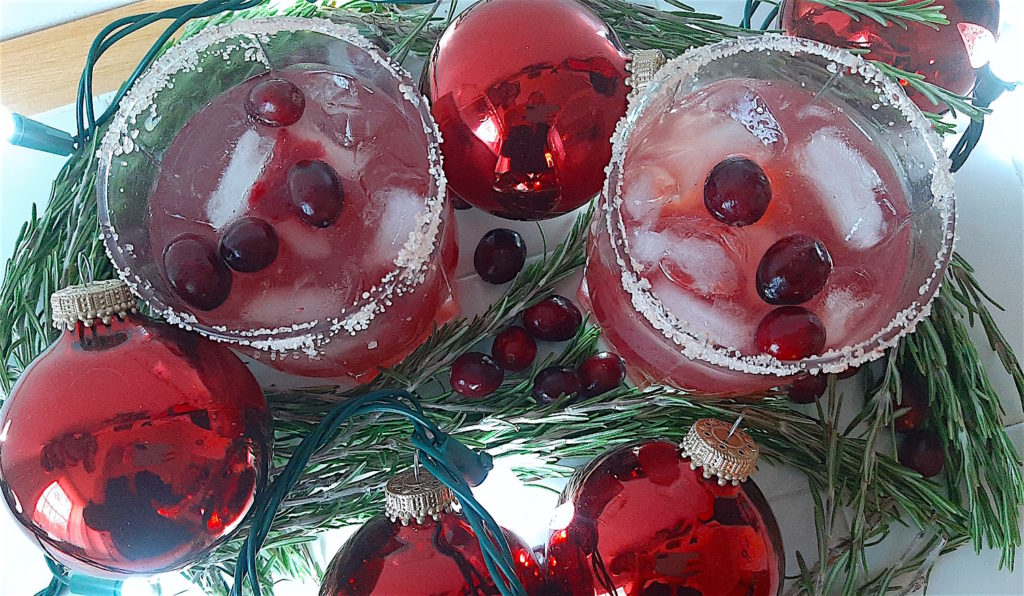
{"x":773,"y":206}
{"x":277,"y":184}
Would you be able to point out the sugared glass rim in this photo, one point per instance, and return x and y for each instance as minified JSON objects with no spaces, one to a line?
{"x":413,"y":258}
{"x":701,"y":348}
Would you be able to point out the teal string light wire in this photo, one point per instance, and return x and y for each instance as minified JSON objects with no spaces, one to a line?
{"x":440,"y":454}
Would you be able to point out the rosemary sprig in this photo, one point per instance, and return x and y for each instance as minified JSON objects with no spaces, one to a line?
{"x":898,"y":12}
{"x":958,"y":104}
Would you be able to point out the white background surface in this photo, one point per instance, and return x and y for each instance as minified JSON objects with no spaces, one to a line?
{"x":990,"y":191}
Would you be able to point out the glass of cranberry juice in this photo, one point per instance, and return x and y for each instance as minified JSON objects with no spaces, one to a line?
{"x":276,"y":183}
{"x":774,"y":206}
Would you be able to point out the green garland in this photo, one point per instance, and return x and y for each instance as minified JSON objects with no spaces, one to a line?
{"x":977,"y":503}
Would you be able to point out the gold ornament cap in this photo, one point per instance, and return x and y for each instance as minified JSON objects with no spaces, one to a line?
{"x":642,"y":66}
{"x":88,"y":302}
{"x":732,"y":458}
{"x":416,"y":496}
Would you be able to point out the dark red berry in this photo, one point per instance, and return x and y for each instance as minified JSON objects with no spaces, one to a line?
{"x":914,"y":395}
{"x":601,"y":373}
{"x":921,"y":451}
{"x":737,"y":192}
{"x":499,"y":256}
{"x":196,"y":272}
{"x":790,"y":333}
{"x":553,"y":319}
{"x":555,"y":382}
{"x":249,"y":244}
{"x":275,"y":102}
{"x":793,"y":270}
{"x":459,"y":203}
{"x":316,"y":191}
{"x":476,"y":375}
{"x":807,"y":389}
{"x":514,"y":349}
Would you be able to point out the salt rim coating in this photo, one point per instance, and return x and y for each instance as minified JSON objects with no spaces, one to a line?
{"x":700,"y":347}
{"x":307,"y":337}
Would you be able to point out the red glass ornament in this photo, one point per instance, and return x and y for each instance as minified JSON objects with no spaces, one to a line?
{"x":526,"y":94}
{"x":643,"y":522}
{"x":132,"y":447}
{"x":948,"y":56}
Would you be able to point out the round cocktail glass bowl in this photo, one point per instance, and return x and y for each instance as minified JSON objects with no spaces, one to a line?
{"x":357,"y":278}
{"x":907,"y":218}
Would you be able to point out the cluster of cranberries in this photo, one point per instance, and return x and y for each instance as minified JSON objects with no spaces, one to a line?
{"x":476,"y":374}
{"x":791,"y":272}
{"x":921,"y":449}
{"x":199,"y":272}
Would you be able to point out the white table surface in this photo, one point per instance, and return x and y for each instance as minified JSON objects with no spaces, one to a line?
{"x":990,"y":191}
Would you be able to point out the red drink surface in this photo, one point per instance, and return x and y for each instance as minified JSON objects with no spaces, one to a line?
{"x":223,"y":165}
{"x":829,"y":181}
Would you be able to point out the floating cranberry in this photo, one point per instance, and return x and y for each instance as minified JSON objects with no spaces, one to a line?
{"x":316,"y":191}
{"x":601,"y":373}
{"x":514,"y":349}
{"x":275,"y":102}
{"x":553,"y":319}
{"x":555,"y":382}
{"x":790,"y":333}
{"x":922,"y":452}
{"x":476,"y":375}
{"x":499,"y":256}
{"x":249,"y":244}
{"x":196,"y":272}
{"x":914,"y":395}
{"x":737,"y":192}
{"x":793,"y":270}
{"x":807,"y":389}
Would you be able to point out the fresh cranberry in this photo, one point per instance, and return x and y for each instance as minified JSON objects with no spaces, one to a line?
{"x":514,"y":349}
{"x":807,"y":389}
{"x":790,"y":333}
{"x":737,"y":192}
{"x":554,"y":382}
{"x":316,"y":191}
{"x":275,"y":102}
{"x":914,"y":395}
{"x":476,"y":375}
{"x":459,"y":204}
{"x":601,"y":373}
{"x":553,"y":319}
{"x":793,"y":270}
{"x":249,"y":244}
{"x":922,"y":452}
{"x":499,"y":256}
{"x":196,"y":272}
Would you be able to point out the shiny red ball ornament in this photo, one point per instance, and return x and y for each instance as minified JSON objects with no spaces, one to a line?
{"x":419,"y":546}
{"x":948,"y":56}
{"x":130,"y":446}
{"x":640,"y":520}
{"x":526,"y":94}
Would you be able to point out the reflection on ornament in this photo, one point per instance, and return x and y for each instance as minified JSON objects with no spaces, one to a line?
{"x":947,"y":55}
{"x":646,"y":519}
{"x":526,"y":94}
{"x":130,"y":446}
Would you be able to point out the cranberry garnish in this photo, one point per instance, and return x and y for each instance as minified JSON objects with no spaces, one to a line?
{"x":922,"y":452}
{"x":553,"y":319}
{"x":249,"y":244}
{"x":514,"y":349}
{"x":807,"y":389}
{"x":275,"y":102}
{"x":316,"y":191}
{"x":459,"y":204}
{"x":499,"y":256}
{"x":475,"y":375}
{"x":793,"y":270}
{"x":914,"y":395}
{"x":601,"y":373}
{"x":554,"y":382}
{"x":737,"y":192}
{"x":790,"y":333}
{"x":196,"y":272}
